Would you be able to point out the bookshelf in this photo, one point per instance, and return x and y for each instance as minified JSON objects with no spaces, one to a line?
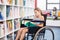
{"x":11,"y":12}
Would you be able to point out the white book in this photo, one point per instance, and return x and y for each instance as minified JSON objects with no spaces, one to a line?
{"x":2,"y":29}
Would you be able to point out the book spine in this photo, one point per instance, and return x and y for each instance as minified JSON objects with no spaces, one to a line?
{"x":16,"y":24}
{"x":24,"y":2}
{"x":21,"y":2}
{"x":9,"y":26}
{"x":1,"y":17}
{"x":7,"y":11}
{"x":0,"y":31}
{"x":9,"y":1}
{"x":15,"y":2}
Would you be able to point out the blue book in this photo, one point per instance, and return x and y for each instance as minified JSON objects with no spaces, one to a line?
{"x":24,"y":2}
{"x":7,"y":11}
{"x":1,"y":17}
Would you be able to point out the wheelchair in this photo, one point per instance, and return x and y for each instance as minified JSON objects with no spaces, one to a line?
{"x":38,"y":33}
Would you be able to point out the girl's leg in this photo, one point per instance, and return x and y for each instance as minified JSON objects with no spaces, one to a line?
{"x":23,"y":33}
{"x":19,"y":33}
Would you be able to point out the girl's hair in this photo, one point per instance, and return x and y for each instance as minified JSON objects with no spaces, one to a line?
{"x":38,"y":10}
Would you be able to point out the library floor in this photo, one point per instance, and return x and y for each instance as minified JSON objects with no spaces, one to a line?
{"x":56,"y":30}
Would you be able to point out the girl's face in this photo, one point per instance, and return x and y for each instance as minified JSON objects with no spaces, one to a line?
{"x":37,"y":13}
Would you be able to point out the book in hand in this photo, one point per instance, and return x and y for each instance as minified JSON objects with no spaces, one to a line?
{"x":9,"y":25}
{"x":16,"y":24}
{"x":2,"y":29}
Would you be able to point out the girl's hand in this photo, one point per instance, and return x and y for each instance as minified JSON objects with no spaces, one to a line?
{"x":40,"y":25}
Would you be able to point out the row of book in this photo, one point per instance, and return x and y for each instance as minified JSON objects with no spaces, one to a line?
{"x":9,"y":27}
{"x":11,"y":37}
{"x":28,"y":3}
{"x":21,"y":2}
{"x":10,"y":12}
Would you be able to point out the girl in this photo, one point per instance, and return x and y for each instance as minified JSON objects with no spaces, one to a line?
{"x":38,"y":14}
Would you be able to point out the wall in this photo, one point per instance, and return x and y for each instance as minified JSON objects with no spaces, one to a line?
{"x":41,"y":4}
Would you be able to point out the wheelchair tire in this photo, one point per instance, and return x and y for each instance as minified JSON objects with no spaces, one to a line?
{"x":46,"y":28}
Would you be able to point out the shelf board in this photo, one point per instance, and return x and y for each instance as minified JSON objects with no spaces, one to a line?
{"x":2,"y":36}
{"x":9,"y":5}
{"x":2,"y":4}
{"x":2,"y":20}
{"x":9,"y":18}
{"x":53,"y":3}
{"x":10,"y":32}
{"x":51,"y":18}
{"x":52,"y":22}
{"x":16,"y":29}
{"x":13,"y":18}
{"x":28,"y":7}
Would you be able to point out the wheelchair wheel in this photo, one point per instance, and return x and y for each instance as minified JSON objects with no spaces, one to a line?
{"x":42,"y":36}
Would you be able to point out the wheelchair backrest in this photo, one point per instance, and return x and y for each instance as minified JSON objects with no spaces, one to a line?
{"x":45,"y":17}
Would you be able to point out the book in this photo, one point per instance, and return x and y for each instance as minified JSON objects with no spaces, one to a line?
{"x":58,"y":13}
{"x":21,"y":2}
{"x":16,"y":14}
{"x":16,"y":24}
{"x":9,"y":1}
{"x":2,"y":29}
{"x":16,"y":2}
{"x":9,"y":12}
{"x":10,"y":37}
{"x":9,"y":25}
{"x":24,"y":2}
{"x":1,"y":1}
{"x":15,"y":34}
{"x":1,"y":13}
